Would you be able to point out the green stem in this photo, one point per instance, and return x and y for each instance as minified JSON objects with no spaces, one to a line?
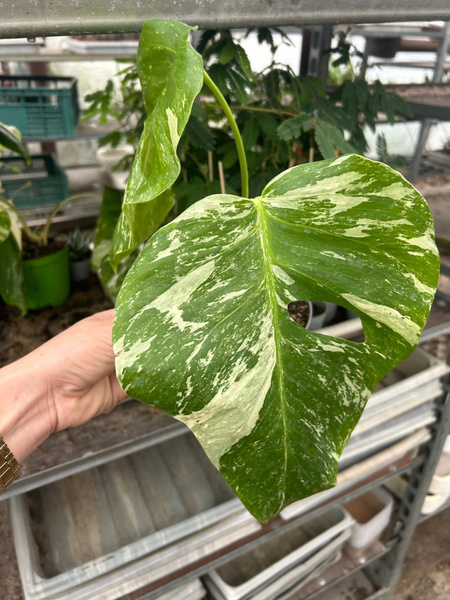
{"x":43,"y":240}
{"x":234,"y":128}
{"x":34,"y":237}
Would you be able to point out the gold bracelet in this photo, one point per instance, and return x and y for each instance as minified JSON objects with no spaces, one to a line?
{"x":9,"y":467}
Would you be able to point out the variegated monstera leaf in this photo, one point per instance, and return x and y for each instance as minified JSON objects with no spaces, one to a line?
{"x":202,"y":329}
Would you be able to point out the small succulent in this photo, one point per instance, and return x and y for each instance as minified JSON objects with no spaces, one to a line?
{"x":79,"y":245}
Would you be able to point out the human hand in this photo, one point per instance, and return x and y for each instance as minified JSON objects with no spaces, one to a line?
{"x":63,"y":383}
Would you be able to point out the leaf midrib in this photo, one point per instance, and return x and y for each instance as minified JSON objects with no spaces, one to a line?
{"x":268,"y":261}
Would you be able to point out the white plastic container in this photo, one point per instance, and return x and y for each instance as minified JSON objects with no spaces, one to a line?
{"x":440,"y":484}
{"x":431,"y":502}
{"x":268,"y":567}
{"x":371,"y":512}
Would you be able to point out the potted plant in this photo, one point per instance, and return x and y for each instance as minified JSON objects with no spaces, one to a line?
{"x":202,"y":329}
{"x":79,"y":244}
{"x":33,"y":264}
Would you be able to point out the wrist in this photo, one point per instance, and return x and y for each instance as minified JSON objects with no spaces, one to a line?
{"x":26,"y":410}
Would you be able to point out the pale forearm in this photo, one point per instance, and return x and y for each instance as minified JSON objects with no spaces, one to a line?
{"x":64,"y":383}
{"x":26,"y":411}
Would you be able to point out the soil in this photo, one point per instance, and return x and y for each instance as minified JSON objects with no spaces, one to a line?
{"x":20,"y":336}
{"x":299,"y":312}
{"x":31,"y":251}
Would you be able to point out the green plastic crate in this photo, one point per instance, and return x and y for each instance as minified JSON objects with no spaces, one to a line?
{"x":48,"y":181}
{"x":40,"y":107}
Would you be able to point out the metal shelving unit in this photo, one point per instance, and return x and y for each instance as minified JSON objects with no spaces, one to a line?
{"x":383,"y":566}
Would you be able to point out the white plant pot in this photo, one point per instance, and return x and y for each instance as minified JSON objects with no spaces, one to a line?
{"x":372,"y":512}
{"x":108,"y":159}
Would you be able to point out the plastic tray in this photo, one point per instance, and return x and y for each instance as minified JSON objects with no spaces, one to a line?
{"x":412,"y":383}
{"x":100,"y":521}
{"x":252,"y":571}
{"x":40,"y":107}
{"x":48,"y":181}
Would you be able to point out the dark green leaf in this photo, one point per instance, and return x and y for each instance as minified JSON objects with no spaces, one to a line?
{"x":400,"y":104}
{"x":219,"y":75}
{"x":250,"y":133}
{"x":106,"y":224}
{"x":325,"y":146}
{"x":292,"y":128}
{"x":228,"y":52}
{"x":236,"y":84}
{"x":269,"y":125}
{"x":243,"y":61}
{"x":12,"y":286}
{"x":200,"y":136}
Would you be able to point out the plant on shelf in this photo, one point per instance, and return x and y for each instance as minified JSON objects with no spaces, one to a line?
{"x":286,"y":119}
{"x":202,"y":329}
{"x":34,"y":268}
{"x":79,"y":246}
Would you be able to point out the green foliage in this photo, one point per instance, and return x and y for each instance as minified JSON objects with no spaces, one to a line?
{"x":276,"y":110}
{"x":79,"y":244}
{"x":202,"y":329}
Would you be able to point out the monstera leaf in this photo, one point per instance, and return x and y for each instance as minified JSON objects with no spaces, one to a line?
{"x":171,"y":76}
{"x":202,"y":329}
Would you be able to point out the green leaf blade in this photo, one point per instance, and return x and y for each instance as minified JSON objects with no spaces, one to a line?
{"x":202,"y":329}
{"x":12,"y":285}
{"x":171,"y":75}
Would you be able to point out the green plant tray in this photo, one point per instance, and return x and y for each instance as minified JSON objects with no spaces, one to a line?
{"x":40,"y":107}
{"x":48,"y":181}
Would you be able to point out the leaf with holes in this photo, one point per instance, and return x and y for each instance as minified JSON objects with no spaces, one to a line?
{"x":202,"y":330}
{"x":171,"y":75}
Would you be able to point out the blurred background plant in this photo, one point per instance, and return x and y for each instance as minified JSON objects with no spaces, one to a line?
{"x":285,"y":119}
{"x":79,"y":243}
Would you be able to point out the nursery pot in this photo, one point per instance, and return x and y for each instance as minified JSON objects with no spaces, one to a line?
{"x":47,"y":279}
{"x":80,"y":270}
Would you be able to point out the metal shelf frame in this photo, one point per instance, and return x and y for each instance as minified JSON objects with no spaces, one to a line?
{"x":78,"y":17}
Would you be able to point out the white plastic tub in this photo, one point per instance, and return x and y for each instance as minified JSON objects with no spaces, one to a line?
{"x":267,"y":570}
{"x":372,"y":513}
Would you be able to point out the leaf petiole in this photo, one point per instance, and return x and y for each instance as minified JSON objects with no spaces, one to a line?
{"x":234,"y":128}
